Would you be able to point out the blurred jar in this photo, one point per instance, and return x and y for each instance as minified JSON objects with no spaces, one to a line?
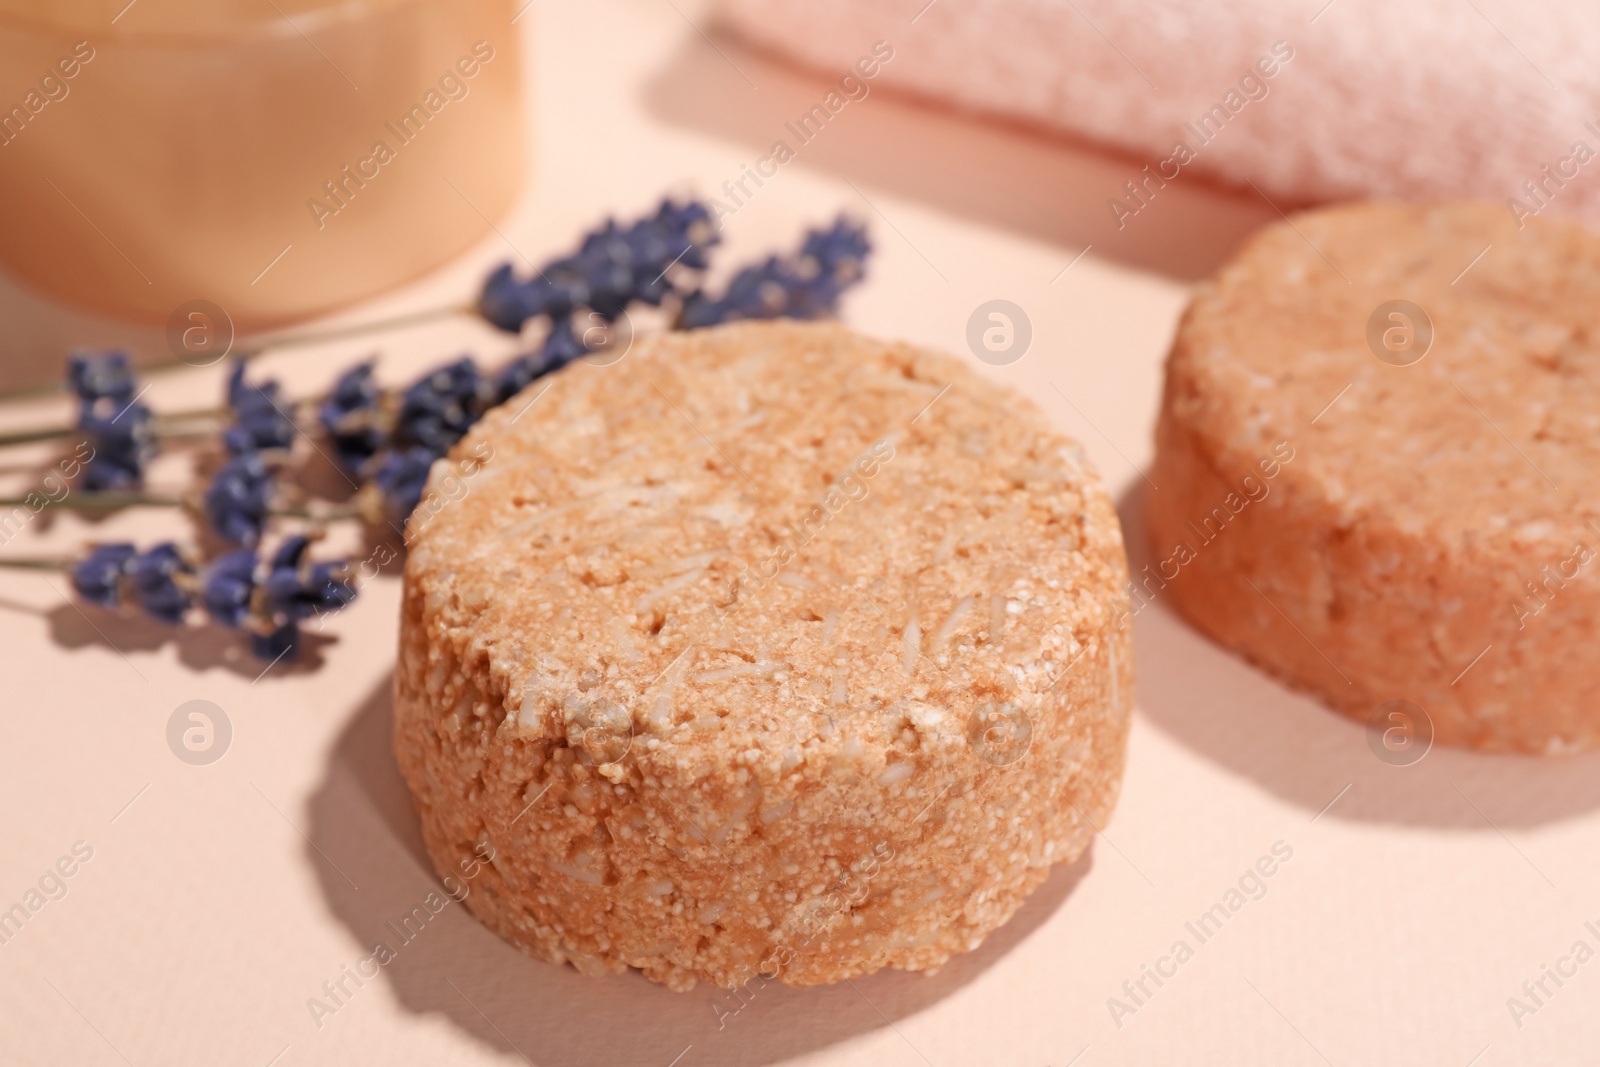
{"x":278,"y":158}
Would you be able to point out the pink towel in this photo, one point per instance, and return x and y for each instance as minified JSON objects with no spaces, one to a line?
{"x":1309,"y":101}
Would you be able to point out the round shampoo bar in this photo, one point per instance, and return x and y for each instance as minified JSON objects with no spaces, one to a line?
{"x":1378,"y":461}
{"x":769,"y":650}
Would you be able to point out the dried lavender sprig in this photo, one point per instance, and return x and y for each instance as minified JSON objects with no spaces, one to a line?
{"x":268,"y":597}
{"x":368,"y":425}
{"x":164,"y":425}
{"x":443,"y":404}
{"x":391,"y":438}
{"x":111,"y":500}
{"x":614,"y":266}
{"x":804,"y":285}
{"x":104,"y":385}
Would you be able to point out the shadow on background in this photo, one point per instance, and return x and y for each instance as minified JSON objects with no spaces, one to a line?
{"x":1236,"y":716}
{"x":41,"y":331}
{"x":200,"y":648}
{"x":993,"y":170}
{"x":362,"y":819}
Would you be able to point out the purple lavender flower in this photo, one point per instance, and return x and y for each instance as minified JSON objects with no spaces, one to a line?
{"x":272,"y":598}
{"x":111,"y":420}
{"x":297,"y":588}
{"x":566,"y":285}
{"x":441,"y":406}
{"x":227,"y":585}
{"x":124,"y":443}
{"x":102,"y":376}
{"x":157,"y":581}
{"x":400,"y":479}
{"x":159,"y":578}
{"x":555,"y":289}
{"x":757,"y":292}
{"x":507,"y":302}
{"x":807,"y":285}
{"x":239,"y":498}
{"x":561,"y":346}
{"x":608,"y":266}
{"x":830,"y":261}
{"x":349,"y":418}
{"x":632,"y":263}
{"x":521,"y":372}
{"x":294,"y":589}
{"x":688,"y":231}
{"x":259,"y":418}
{"x":97,"y":577}
{"x":615,"y":265}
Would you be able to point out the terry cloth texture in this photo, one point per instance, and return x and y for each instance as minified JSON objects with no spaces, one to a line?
{"x":1425,"y":99}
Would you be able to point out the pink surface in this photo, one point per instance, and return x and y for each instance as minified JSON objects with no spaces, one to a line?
{"x":219,"y":899}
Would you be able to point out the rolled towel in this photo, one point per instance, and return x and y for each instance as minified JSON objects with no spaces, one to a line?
{"x":1316,"y":101}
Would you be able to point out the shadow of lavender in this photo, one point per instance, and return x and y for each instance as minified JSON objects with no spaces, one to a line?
{"x":200,"y":648}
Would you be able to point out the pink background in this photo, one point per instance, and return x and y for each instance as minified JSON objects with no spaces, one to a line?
{"x":222,"y":897}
